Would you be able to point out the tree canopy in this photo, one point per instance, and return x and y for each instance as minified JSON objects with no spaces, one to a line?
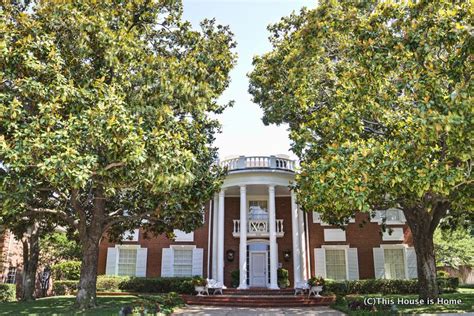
{"x":378,"y":98}
{"x":108,"y":106}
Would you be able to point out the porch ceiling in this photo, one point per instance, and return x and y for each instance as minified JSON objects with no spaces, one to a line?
{"x":257,"y":189}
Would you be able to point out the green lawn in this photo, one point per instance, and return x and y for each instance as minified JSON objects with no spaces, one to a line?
{"x":465,"y":295}
{"x":63,"y":305}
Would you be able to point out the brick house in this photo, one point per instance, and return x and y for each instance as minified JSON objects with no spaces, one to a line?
{"x":256,"y":195}
{"x":10,"y":257}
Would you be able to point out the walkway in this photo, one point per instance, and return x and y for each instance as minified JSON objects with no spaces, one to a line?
{"x":243,"y":311}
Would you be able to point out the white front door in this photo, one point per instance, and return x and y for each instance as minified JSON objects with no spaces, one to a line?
{"x":258,"y":269}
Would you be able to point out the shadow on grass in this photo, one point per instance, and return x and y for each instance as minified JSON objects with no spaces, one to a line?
{"x":64,"y":305}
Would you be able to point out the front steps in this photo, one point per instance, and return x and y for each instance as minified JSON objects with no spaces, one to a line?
{"x":258,"y":298}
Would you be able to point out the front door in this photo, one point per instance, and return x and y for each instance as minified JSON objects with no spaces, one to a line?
{"x":258,"y":269}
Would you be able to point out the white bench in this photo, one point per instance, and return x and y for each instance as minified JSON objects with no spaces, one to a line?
{"x":301,"y":287}
{"x":215,"y":286}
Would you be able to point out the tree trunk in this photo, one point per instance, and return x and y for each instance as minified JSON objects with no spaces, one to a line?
{"x":86,"y":292}
{"x":90,"y":233}
{"x":423,"y":222}
{"x":31,"y":250}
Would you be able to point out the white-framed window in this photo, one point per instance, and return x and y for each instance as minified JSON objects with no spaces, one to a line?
{"x":394,"y":263}
{"x":131,"y":235}
{"x":182,"y":236}
{"x":336,"y":264}
{"x":392,"y":216}
{"x":11,"y":275}
{"x":394,"y":234}
{"x":258,"y":209}
{"x":127,"y":261}
{"x":183,"y":263}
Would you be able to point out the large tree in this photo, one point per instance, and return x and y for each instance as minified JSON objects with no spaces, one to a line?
{"x":109,"y":106}
{"x":378,"y":98}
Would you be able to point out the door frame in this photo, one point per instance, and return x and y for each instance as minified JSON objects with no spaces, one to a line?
{"x":251,"y":267}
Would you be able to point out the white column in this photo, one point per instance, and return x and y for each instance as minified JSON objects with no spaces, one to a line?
{"x":215,"y":213}
{"x":273,"y":244}
{"x":220,"y":239}
{"x":243,"y":239}
{"x":304,"y":275}
{"x":296,"y":240}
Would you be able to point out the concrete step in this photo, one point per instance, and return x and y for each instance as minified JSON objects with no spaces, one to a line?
{"x":258,"y":300}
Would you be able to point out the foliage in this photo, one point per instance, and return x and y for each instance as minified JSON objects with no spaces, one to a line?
{"x":282,"y":276}
{"x":378,"y":98}
{"x":235,"y":278}
{"x":67,"y":270}
{"x":109,"y":283}
{"x":454,"y":248}
{"x":158,"y":285}
{"x":199,"y":281}
{"x":7,"y":292}
{"x":448,"y":284}
{"x":65,"y":287}
{"x":59,"y":246}
{"x":155,"y":304}
{"x":442,"y":274}
{"x":109,"y":109}
{"x":316,"y":281}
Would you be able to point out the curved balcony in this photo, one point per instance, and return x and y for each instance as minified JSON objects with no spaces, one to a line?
{"x":258,"y":162}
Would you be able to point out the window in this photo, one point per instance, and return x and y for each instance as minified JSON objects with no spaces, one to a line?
{"x":258,"y":210}
{"x":394,"y":264}
{"x":336,"y":264}
{"x":183,"y":262}
{"x":11,"y":275}
{"x":127,"y":263}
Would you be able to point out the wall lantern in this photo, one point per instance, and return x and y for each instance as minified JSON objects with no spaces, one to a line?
{"x":287,"y":255}
{"x":230,"y":255}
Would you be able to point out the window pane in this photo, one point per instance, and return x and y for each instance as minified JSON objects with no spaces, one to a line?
{"x":183,"y":263}
{"x":394,"y":264}
{"x":258,"y":210}
{"x":11,"y":276}
{"x":127,"y":262}
{"x":392,"y":215}
{"x":336,"y":264}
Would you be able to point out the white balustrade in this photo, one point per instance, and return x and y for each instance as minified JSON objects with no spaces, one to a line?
{"x":253,"y":162}
{"x":258,"y":228}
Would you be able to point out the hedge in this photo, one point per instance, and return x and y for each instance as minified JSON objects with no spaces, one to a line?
{"x":64,"y":287}
{"x":67,"y":270}
{"x":158,"y":285}
{"x":110,"y":283}
{"x":383,"y":286}
{"x":7,"y":292}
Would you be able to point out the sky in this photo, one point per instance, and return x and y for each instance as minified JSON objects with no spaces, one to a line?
{"x":243,"y":132}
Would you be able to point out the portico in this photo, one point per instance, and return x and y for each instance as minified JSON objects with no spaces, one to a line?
{"x":256,"y":183}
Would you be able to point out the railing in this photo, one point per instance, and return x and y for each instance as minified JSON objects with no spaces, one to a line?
{"x":258,"y":228}
{"x":258,"y":162}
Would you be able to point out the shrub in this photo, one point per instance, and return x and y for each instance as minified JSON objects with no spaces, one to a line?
{"x":235,"y":278}
{"x":110,"y":283}
{"x":371,"y":286}
{"x":442,"y":274}
{"x":199,"y":281}
{"x":64,"y":287}
{"x":158,"y":285}
{"x":282,"y":275}
{"x":7,"y":292}
{"x":67,"y":270}
{"x":447,"y":285}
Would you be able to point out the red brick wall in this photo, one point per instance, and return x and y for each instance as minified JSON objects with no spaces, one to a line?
{"x":155,"y":246}
{"x":363,"y":238}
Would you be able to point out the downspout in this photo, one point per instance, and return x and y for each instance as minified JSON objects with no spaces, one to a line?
{"x":308,"y":254}
{"x":209,"y":237}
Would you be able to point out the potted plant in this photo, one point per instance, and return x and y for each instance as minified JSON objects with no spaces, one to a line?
{"x":282,"y":275}
{"x":199,"y":285}
{"x":316,"y":285}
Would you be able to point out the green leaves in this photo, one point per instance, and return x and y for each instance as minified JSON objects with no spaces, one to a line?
{"x":378,"y":100}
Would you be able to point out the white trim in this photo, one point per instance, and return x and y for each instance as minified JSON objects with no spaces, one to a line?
{"x":393,"y":246}
{"x":267,"y":253}
{"x":397,"y":234}
{"x":209,"y":213}
{"x":118,"y":247}
{"x":128,"y":246}
{"x":183,"y":247}
{"x":182,"y":236}
{"x":334,"y":234}
{"x":404,"y":247}
{"x":134,"y":234}
{"x":337,"y":247}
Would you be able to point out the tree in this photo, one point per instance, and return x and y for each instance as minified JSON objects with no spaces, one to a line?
{"x":378,"y":98}
{"x":59,"y":246}
{"x":107,"y":106}
{"x":454,"y":248}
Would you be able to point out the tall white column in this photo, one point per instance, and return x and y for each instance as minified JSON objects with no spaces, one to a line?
{"x":215,"y":210}
{"x":243,"y":239}
{"x":304,"y":274}
{"x":273,"y":244}
{"x":296,"y":240}
{"x":220,"y":239}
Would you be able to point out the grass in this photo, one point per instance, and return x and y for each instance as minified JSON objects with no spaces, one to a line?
{"x":64,"y":305}
{"x":465,"y":295}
